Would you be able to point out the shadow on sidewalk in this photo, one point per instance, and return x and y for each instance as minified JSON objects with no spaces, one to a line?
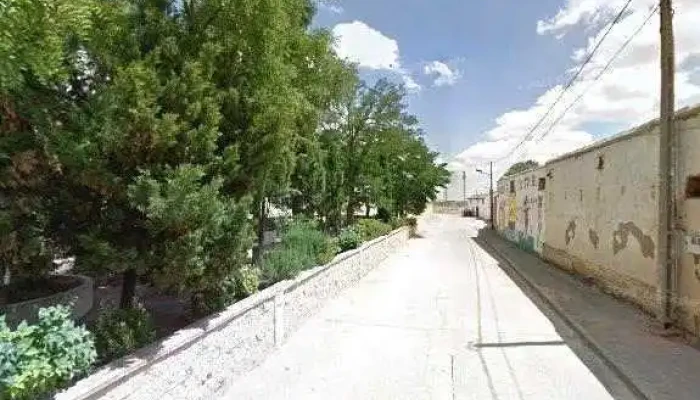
{"x":616,"y":381}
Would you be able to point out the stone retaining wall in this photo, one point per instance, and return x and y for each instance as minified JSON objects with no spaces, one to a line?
{"x":195,"y":362}
{"x":79,"y":299}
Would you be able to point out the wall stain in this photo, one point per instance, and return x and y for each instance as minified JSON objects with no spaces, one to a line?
{"x":570,"y":233}
{"x":621,"y":235}
{"x":696,"y":258}
{"x":593,"y":236}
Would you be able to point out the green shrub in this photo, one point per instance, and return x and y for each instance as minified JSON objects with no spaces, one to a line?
{"x":247,"y":282}
{"x":303,"y":246}
{"x":329,"y":251}
{"x":284,"y":263}
{"x":36,"y":360}
{"x":371,"y":229}
{"x":412,"y":224}
{"x":121,"y":331}
{"x":215,"y":297}
{"x":305,"y":236}
{"x":383,"y":215}
{"x":349,"y":239}
{"x":397,"y":223}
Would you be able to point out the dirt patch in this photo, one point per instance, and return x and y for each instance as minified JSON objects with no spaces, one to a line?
{"x":168,"y":311}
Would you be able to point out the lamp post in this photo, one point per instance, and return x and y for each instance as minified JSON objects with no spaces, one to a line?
{"x":490,"y":174}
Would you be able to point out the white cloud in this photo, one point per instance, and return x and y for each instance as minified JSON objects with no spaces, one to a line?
{"x":444,"y":75}
{"x":410,"y":83}
{"x":330,"y":7}
{"x":368,"y":48}
{"x":626,"y":95}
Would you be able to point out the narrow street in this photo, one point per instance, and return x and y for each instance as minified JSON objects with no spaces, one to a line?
{"x":438,"y":320}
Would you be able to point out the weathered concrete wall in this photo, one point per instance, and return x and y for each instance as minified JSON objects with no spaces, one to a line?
{"x":520,"y":208}
{"x":600,"y":211}
{"x":196,"y":362}
{"x":449,"y":207}
{"x":602,"y":214}
{"x":479,"y":206}
{"x":688,"y":126}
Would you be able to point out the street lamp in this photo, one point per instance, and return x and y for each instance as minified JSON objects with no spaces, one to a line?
{"x":490,"y":174}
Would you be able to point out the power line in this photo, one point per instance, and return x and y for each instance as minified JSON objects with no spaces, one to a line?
{"x":571,"y":82}
{"x":600,"y":74}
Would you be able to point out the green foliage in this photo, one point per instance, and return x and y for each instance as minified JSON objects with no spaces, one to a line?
{"x":247,"y":281}
{"x":412,"y":224}
{"x":371,"y":229}
{"x":303,"y":246}
{"x":384,"y":215}
{"x":284,"y":263}
{"x":376,"y":155}
{"x":349,"y":239}
{"x":140,"y":135}
{"x":34,"y":36}
{"x":120,"y":332}
{"x":38,"y":359}
{"x":241,"y":284}
{"x":521,"y":167}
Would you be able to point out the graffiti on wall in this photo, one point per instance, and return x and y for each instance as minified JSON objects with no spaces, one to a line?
{"x":512,"y":213}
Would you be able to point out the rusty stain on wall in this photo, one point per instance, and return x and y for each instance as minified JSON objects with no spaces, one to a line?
{"x":570,"y":233}
{"x":593,"y":236}
{"x":621,"y":235}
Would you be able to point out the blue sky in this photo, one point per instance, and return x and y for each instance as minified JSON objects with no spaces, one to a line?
{"x":502,"y":60}
{"x":482,"y":73}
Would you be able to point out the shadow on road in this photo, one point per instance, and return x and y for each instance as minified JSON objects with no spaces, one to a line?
{"x":617,"y":384}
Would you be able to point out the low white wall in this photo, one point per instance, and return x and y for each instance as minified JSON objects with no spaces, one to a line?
{"x":195,"y":362}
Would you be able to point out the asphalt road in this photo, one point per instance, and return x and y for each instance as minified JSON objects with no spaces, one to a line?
{"x":438,"y":320}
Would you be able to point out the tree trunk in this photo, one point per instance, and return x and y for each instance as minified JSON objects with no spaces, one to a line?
{"x":129,"y":279}
{"x":367,"y":207}
{"x":349,"y":213}
{"x":262,"y":214}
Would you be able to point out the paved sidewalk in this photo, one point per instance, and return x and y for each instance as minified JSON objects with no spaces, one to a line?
{"x":660,"y":368}
{"x":439,"y":320}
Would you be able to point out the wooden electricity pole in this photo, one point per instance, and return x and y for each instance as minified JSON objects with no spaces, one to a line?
{"x":667,"y":150}
{"x":491,"y":223}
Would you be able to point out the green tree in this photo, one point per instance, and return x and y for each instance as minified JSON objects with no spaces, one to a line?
{"x":385,"y":162}
{"x":521,"y":167}
{"x":39,"y":53}
{"x":146,"y":181}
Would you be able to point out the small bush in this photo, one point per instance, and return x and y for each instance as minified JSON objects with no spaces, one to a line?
{"x":305,"y":236}
{"x":412,"y":224}
{"x":121,"y":331}
{"x":371,"y":229}
{"x":383,"y":215}
{"x":329,"y":252}
{"x":284,"y":263}
{"x":349,"y":239}
{"x":36,"y":360}
{"x":247,"y":282}
{"x":398,"y":223}
{"x":303,"y":246}
{"x":215,"y":298}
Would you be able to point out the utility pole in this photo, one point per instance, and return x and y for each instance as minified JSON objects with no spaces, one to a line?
{"x":491,"y":194}
{"x":464,"y":188}
{"x":667,"y":151}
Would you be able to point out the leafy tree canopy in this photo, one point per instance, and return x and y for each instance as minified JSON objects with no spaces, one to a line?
{"x":521,"y":166}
